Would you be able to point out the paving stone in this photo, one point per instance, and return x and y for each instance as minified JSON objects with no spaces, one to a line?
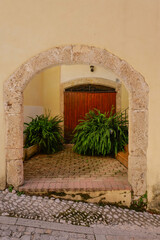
{"x":16,"y":234}
{"x":26,"y":237}
{"x":100,"y":237}
{"x":5,"y":238}
{"x":4,"y":227}
{"x":45,"y":166}
{"x":45,"y":237}
{"x":7,"y":220}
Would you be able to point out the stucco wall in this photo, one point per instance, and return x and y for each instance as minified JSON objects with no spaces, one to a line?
{"x":129,"y":29}
{"x":34,"y":91}
{"x":51,"y":90}
{"x":71,"y":72}
{"x":42,"y":94}
{"x":33,"y":98}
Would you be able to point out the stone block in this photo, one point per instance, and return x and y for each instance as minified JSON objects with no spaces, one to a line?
{"x":13,"y":102}
{"x":14,"y":131}
{"x":137,"y":163}
{"x":138,"y":132}
{"x":15,"y":172}
{"x":137,"y":174}
{"x":138,"y":100}
{"x":110,"y":61}
{"x":18,"y":81}
{"x":82,"y":54}
{"x":132,"y":79}
{"x":136,"y":86}
{"x":3,"y":182}
{"x":51,"y":58}
{"x":14,"y":153}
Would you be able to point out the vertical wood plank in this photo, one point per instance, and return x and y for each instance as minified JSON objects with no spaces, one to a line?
{"x":77,"y":104}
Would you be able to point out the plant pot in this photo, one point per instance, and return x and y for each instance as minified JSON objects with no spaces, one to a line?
{"x":31,"y":151}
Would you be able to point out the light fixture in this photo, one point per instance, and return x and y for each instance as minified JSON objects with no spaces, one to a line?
{"x":92,"y":68}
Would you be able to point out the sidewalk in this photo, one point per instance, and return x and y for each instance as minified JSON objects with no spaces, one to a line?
{"x":35,"y":217}
{"x":25,"y":229}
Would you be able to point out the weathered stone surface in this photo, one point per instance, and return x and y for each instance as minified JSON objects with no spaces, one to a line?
{"x":15,"y":172}
{"x":109,"y":60}
{"x":91,"y":55}
{"x":137,"y":162}
{"x":13,"y":102}
{"x":2,"y":183}
{"x":154,"y":204}
{"x":138,"y":132}
{"x":20,"y":78}
{"x":14,"y":131}
{"x":139,"y":100}
{"x":14,"y":153}
{"x":136,"y":85}
{"x":133,"y":80}
{"x":137,"y":174}
{"x":84,"y":54}
{"x":51,"y":57}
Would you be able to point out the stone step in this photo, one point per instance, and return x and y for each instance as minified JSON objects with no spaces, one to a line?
{"x":95,"y":190}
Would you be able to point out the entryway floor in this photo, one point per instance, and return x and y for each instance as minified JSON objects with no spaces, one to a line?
{"x":70,"y":171}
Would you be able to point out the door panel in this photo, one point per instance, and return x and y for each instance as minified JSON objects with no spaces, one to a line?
{"x":77,"y":104}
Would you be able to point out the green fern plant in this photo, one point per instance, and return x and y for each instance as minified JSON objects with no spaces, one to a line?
{"x":101,"y":134}
{"x":46,"y":132}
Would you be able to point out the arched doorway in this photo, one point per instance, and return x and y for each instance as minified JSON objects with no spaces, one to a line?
{"x":78,"y":54}
{"x":90,"y":93}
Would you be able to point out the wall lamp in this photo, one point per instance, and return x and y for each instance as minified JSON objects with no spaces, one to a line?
{"x":92,"y":68}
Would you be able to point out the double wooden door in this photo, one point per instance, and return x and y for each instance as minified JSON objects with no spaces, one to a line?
{"x":77,"y":104}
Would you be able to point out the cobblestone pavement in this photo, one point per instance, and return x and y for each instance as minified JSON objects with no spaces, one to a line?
{"x":70,"y":212}
{"x":18,"y":228}
{"x":74,"y":165}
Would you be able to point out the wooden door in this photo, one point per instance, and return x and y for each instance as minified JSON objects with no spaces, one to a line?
{"x":77,"y":104}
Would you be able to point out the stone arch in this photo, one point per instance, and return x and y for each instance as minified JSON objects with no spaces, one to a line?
{"x":78,"y":54}
{"x":93,"y":80}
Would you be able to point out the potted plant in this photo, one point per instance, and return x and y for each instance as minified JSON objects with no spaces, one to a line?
{"x":44,"y":132}
{"x":101,"y":134}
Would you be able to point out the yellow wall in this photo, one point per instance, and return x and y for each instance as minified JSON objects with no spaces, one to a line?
{"x":72,"y":72}
{"x":33,"y":98}
{"x":33,"y":94}
{"x":51,"y":90}
{"x":129,"y":29}
{"x":44,"y":90}
{"x":124,"y":98}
